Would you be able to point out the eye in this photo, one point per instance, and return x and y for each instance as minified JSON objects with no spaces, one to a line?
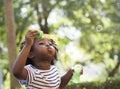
{"x":50,"y":44}
{"x":41,"y":43}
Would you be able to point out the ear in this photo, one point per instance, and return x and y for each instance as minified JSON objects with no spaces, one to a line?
{"x":30,"y":55}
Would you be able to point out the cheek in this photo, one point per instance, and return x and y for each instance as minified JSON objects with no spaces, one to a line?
{"x":43,"y":50}
{"x":42,"y":46}
{"x":38,"y":50}
{"x":53,"y":49}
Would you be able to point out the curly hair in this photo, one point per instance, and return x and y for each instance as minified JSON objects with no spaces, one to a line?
{"x":29,"y":61}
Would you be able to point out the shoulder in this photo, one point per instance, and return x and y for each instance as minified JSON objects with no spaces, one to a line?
{"x":30,"y":68}
{"x":53,"y":67}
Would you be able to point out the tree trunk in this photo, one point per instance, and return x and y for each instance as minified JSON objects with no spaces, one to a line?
{"x":11,"y":40}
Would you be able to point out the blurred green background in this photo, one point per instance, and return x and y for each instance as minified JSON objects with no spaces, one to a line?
{"x":86,"y":31}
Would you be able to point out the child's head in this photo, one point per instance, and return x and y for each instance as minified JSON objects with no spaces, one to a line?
{"x":42,"y":50}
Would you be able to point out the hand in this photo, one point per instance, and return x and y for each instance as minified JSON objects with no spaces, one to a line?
{"x":81,"y":72}
{"x":30,"y":36}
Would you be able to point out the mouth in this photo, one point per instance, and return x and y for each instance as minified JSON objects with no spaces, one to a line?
{"x":50,"y":50}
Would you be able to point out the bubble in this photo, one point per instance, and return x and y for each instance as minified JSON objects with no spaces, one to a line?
{"x":76,"y":76}
{"x":40,"y":35}
{"x":118,"y":4}
{"x":99,"y":28}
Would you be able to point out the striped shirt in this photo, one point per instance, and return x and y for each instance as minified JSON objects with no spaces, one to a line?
{"x":41,"y":79}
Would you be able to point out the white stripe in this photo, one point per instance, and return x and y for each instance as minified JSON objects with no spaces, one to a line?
{"x":43,"y":79}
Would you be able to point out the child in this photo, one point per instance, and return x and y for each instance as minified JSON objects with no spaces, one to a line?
{"x":35,"y":64}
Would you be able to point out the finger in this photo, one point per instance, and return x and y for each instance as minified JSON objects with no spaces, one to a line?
{"x":35,"y":34}
{"x":36,"y":31}
{"x":81,"y":72}
{"x":30,"y":32}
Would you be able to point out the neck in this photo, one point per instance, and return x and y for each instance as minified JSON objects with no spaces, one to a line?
{"x":43,"y":65}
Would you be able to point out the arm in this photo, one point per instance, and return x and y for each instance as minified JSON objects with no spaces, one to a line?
{"x":18,"y":68}
{"x":66,"y":78}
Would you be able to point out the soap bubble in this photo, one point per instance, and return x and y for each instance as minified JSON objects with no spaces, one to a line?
{"x":76,"y":76}
{"x":118,"y":5}
{"x":99,"y":28}
{"x":77,"y":68}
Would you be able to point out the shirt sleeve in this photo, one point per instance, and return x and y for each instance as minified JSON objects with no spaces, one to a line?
{"x":28,"y":79}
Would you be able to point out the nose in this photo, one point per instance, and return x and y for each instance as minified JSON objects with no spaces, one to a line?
{"x":47,"y":44}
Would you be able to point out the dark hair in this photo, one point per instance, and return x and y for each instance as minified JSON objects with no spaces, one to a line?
{"x":29,"y":61}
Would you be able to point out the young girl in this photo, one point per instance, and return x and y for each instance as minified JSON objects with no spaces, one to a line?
{"x":34,"y":64}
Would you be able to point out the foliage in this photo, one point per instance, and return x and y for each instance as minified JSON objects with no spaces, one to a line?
{"x":98,"y":21}
{"x":110,"y":84}
{"x":99,"y":28}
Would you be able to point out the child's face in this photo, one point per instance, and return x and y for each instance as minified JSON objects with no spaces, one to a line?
{"x":43,"y":49}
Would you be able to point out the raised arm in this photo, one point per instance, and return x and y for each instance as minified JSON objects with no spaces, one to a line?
{"x":66,"y":78}
{"x":18,"y":68}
